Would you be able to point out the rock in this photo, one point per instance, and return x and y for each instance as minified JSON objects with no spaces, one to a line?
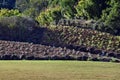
{"x":31,"y":57}
{"x":55,"y":57}
{"x":67,"y":57}
{"x":105,"y":59}
{"x":83,"y":49}
{"x":95,"y":59}
{"x":79,"y":58}
{"x":0,"y":57}
{"x":97,"y":51}
{"x":6,"y":57}
{"x":15,"y":57}
{"x":118,"y":56}
{"x":22,"y":57}
{"x":84,"y":58}
{"x":111,"y":54}
{"x":117,"y":61}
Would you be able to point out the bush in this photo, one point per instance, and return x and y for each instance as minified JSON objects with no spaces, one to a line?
{"x":48,"y":16}
{"x":90,"y":8}
{"x":66,"y":36}
{"x":8,"y":13}
{"x":31,"y":8}
{"x":111,"y":17}
{"x":16,"y":28}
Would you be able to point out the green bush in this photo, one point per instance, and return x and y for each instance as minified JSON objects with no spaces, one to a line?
{"x":31,"y":8}
{"x":64,"y":36}
{"x":90,"y":8}
{"x":16,"y":28}
{"x":111,"y":17}
{"x":48,"y":16}
{"x":46,"y":12}
{"x":8,"y":13}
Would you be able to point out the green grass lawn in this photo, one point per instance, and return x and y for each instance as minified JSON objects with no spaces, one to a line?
{"x":58,"y":70}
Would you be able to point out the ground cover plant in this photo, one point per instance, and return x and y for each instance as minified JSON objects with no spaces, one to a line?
{"x":73,"y":38}
{"x":27,"y":30}
{"x":35,"y":22}
{"x":10,"y":50}
{"x":65,"y":36}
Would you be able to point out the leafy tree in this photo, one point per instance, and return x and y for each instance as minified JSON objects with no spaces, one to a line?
{"x":53,"y":3}
{"x":67,"y":8}
{"x":111,"y":17}
{"x":22,"y":5}
{"x":48,"y":11}
{"x":31,"y":8}
{"x":17,"y":28}
{"x":90,"y":8}
{"x":48,"y":16}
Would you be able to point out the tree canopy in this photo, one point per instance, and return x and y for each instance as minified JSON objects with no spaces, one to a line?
{"x":50,"y":11}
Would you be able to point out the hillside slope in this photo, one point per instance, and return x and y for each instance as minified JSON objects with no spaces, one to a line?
{"x":10,"y":50}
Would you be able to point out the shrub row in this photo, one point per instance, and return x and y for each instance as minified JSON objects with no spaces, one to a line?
{"x":71,"y":36}
{"x":18,"y":50}
{"x":85,"y":40}
{"x":10,"y":50}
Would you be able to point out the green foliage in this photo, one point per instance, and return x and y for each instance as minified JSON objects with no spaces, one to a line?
{"x":45,"y":12}
{"x":17,"y":21}
{"x":56,"y":10}
{"x":63,"y":36}
{"x":53,"y":3}
{"x":112,"y":12}
{"x":111,"y":17}
{"x":16,"y":27}
{"x":8,"y":13}
{"x":22,"y":5}
{"x":31,"y":8}
{"x":67,"y":8}
{"x":90,"y":8}
{"x":49,"y":11}
{"x":48,"y":16}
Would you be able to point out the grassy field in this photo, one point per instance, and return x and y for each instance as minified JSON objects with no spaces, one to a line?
{"x":58,"y":70}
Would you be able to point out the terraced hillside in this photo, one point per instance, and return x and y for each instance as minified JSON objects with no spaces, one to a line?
{"x":18,"y":50}
{"x":10,"y":50}
{"x":27,"y":30}
{"x":55,"y":42}
{"x":72,"y":37}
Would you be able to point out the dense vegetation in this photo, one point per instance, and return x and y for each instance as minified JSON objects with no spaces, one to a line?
{"x":47,"y":12}
{"x":10,"y":50}
{"x":39,"y":22}
{"x":66,"y":36}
